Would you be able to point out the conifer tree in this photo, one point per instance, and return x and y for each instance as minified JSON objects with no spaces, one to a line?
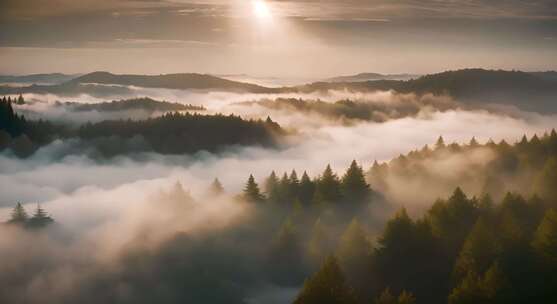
{"x":20,"y":100}
{"x":216,"y":188}
{"x":306,"y":189}
{"x":545,"y":238}
{"x":252,"y":194}
{"x":354,"y":254}
{"x":19,"y":215}
{"x":327,"y":286}
{"x":294,"y":185}
{"x":354,"y":187}
{"x":544,"y":184}
{"x":272,"y":188}
{"x":327,"y":190}
{"x":40,"y":218}
{"x":440,"y":144}
{"x":479,"y":251}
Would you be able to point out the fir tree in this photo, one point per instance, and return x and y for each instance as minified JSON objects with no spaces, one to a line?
{"x":252,"y":194}
{"x":545,"y":238}
{"x":306,"y":189}
{"x":327,"y":286}
{"x":216,"y":188}
{"x":327,"y":190}
{"x":440,"y":144}
{"x":40,"y":218}
{"x":354,"y":187}
{"x":272,"y":188}
{"x":19,"y":215}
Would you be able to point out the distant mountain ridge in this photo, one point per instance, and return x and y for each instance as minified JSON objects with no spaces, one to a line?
{"x":531,"y":91}
{"x":189,"y":81}
{"x":51,"y":78}
{"x":371,"y":76}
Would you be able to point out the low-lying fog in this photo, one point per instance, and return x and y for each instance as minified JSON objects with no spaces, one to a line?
{"x":109,"y":203}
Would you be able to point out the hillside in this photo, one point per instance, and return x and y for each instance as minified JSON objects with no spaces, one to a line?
{"x":144,"y":104}
{"x":528,"y":91}
{"x":52,"y":78}
{"x":371,"y":76}
{"x":188,"y":81}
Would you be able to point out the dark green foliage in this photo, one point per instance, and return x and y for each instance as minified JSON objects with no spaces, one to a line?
{"x":252,"y":194}
{"x":145,"y":104}
{"x":354,"y":253}
{"x":480,"y":249}
{"x":327,"y":189}
{"x":272,"y":188}
{"x":355,"y":189}
{"x":176,"y":133}
{"x":306,"y":189}
{"x":39,"y":219}
{"x":327,"y":286}
{"x":286,"y":257}
{"x":545,"y":238}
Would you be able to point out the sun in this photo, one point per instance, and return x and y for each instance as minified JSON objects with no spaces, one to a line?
{"x":261,"y":9}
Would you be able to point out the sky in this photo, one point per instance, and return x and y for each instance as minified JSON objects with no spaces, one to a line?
{"x":283,"y":38}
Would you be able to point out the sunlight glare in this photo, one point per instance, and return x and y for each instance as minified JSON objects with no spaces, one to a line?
{"x":261,"y":10}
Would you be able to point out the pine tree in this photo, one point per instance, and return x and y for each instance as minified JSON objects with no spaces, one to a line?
{"x":440,"y":144}
{"x":327,"y":190}
{"x":545,"y":238}
{"x":216,"y":188}
{"x":544,"y":184}
{"x":354,"y":187}
{"x":294,"y":185}
{"x":20,"y":100}
{"x":354,"y":254}
{"x":479,"y":251}
{"x":272,"y":188}
{"x":40,"y":218}
{"x":306,"y":189}
{"x":19,"y":215}
{"x":327,"y":286}
{"x":252,"y":194}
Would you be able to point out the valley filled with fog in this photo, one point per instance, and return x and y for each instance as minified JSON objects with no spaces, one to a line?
{"x":128,"y":174}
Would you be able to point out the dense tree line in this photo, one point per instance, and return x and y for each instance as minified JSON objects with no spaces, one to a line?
{"x":328,"y":234}
{"x":353,"y":110}
{"x":146,"y":104}
{"x":463,"y":250}
{"x":21,"y":135}
{"x":527,"y":167}
{"x":176,"y":133}
{"x":171,"y":133}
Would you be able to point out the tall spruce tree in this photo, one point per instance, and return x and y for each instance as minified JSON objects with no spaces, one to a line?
{"x":252,"y":194}
{"x":327,"y":190}
{"x":354,"y":187}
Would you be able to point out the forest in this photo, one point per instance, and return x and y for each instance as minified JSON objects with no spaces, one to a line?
{"x":171,"y":133}
{"x":327,"y":233}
